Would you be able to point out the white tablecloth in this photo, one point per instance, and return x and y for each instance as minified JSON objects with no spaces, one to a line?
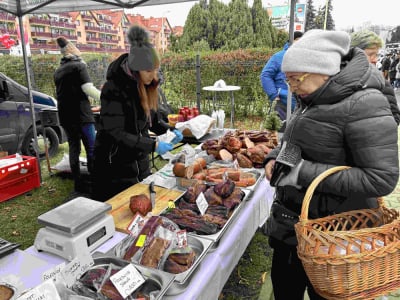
{"x":208,"y":279}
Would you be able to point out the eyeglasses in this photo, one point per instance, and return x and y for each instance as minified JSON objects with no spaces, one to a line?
{"x":298,"y":79}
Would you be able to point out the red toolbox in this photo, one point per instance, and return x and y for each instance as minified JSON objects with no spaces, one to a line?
{"x":18,"y":177}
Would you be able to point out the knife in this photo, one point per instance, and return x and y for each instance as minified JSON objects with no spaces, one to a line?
{"x":152,"y":195}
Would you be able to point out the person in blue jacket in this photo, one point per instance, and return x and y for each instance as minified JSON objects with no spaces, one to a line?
{"x":273,"y":80}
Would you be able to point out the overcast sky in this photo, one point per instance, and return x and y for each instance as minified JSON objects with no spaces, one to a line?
{"x":346,"y":13}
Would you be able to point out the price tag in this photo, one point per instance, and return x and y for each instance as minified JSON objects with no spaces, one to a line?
{"x":182,"y":238}
{"x":54,"y":273}
{"x":127,"y":280}
{"x":171,"y":204}
{"x":202,"y":203}
{"x":136,"y":225}
{"x":44,"y":291}
{"x":141,"y":240}
{"x":76,"y":268}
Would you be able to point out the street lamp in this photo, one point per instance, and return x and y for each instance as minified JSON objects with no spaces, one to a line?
{"x":163,"y":31}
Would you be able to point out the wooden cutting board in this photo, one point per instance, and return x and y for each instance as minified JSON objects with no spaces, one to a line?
{"x":120,"y":203}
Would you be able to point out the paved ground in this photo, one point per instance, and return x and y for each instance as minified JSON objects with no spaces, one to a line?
{"x":392,"y":200}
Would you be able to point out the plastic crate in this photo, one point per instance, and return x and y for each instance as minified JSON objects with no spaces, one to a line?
{"x":18,"y":178}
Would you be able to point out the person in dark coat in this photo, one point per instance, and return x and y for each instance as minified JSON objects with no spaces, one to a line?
{"x":343,"y":119}
{"x":129,"y":101}
{"x":73,"y":88}
{"x":370,"y":42}
{"x":392,"y":69}
{"x":386,"y":65}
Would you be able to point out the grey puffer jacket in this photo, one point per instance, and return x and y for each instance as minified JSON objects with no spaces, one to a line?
{"x":346,"y":122}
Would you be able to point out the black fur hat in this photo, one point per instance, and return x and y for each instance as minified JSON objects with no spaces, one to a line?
{"x":142,"y":55}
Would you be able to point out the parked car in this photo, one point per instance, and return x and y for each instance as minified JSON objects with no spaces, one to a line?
{"x":16,"y":130}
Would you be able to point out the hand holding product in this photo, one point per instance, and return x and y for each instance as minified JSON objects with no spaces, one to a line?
{"x":163,"y":147}
{"x":178,"y":137}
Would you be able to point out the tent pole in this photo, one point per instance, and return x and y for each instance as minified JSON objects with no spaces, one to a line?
{"x":291,"y":34}
{"x":28,"y":79}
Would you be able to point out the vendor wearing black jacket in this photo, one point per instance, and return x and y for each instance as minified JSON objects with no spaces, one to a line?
{"x":342,"y":119}
{"x":129,"y":102}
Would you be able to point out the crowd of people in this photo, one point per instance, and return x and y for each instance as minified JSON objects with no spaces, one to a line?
{"x":344,"y":114}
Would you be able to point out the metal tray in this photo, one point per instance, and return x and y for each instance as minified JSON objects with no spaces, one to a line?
{"x":155,"y":279}
{"x":183,"y":183}
{"x":258,"y":173}
{"x":216,"y":236}
{"x":200,"y":246}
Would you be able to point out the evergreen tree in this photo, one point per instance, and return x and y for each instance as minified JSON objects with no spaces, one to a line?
{"x":219,"y":16}
{"x":320,"y":18}
{"x":282,"y":37}
{"x":196,"y":25}
{"x":239,"y":31}
{"x":310,"y":16}
{"x":261,"y":28}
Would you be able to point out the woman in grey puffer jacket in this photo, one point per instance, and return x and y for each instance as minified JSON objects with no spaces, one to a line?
{"x":342,"y":119}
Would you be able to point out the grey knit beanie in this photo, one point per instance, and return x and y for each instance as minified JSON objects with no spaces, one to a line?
{"x":142,"y":55}
{"x":318,"y":51}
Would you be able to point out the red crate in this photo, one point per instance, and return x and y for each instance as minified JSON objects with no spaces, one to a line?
{"x":18,"y":178}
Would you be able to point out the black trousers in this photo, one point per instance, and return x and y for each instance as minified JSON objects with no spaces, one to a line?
{"x":289,"y":279}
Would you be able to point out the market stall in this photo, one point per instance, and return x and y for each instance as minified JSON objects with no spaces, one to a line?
{"x":205,"y":283}
{"x":83,"y":225}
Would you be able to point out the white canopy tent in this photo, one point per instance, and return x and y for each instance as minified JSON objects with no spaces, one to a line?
{"x":19,"y":8}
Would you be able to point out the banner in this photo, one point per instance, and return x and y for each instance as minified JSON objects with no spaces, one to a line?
{"x":280,"y":16}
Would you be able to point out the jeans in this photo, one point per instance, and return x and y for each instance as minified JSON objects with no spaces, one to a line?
{"x":76,"y":134}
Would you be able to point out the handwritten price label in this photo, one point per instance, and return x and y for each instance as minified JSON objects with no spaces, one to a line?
{"x":76,"y":268}
{"x":127,"y":280}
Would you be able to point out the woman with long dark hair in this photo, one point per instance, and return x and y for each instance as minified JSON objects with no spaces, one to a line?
{"x":129,"y":102}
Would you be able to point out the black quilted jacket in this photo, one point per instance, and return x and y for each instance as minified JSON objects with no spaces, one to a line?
{"x":347,"y":122}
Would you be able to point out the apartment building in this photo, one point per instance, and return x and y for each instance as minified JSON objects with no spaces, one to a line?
{"x":91,"y":31}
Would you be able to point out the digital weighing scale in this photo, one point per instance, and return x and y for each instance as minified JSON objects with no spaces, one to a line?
{"x":76,"y":227}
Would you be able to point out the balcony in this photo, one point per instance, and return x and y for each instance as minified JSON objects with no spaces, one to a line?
{"x":62,"y":25}
{"x":92,"y":28}
{"x":9,"y":31}
{"x":109,"y":41}
{"x":105,"y":21}
{"x":106,"y":30}
{"x":86,"y":16}
{"x":7,"y":17}
{"x":42,"y":34}
{"x":72,"y":37}
{"x":93,"y":39}
{"x":38,"y":21}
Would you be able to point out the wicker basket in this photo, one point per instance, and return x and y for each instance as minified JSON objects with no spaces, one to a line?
{"x":350,"y":255}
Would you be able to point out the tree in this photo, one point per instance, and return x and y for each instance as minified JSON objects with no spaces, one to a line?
{"x":310,"y":16}
{"x":239,"y":31}
{"x":196,"y":25}
{"x":261,"y":26}
{"x":219,"y":16}
{"x":281,"y":38}
{"x":320,"y":18}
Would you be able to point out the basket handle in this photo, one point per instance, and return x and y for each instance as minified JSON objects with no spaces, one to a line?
{"x":311,"y":188}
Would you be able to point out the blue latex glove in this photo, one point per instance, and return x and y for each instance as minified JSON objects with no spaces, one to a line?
{"x":163,"y":147}
{"x":178,"y":137}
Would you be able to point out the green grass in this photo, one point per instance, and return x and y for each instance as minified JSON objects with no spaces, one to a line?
{"x":18,"y":223}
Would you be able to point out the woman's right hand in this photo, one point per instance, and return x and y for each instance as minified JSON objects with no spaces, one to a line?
{"x":269,"y":167}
